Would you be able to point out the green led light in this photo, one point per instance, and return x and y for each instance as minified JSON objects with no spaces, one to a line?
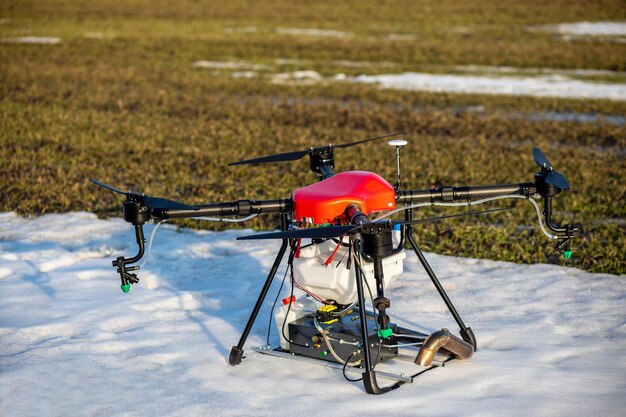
{"x":567,"y":254}
{"x":125,"y":288}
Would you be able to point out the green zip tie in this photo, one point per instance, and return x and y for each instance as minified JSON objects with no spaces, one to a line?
{"x":385,"y":334}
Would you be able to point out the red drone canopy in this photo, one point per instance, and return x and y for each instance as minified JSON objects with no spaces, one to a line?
{"x":327,"y":200}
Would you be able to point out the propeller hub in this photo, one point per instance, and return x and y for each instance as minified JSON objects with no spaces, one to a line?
{"x":135,"y":213}
{"x":543,"y":187}
{"x":549,"y":181}
{"x":376,"y":239}
{"x":322,"y":156}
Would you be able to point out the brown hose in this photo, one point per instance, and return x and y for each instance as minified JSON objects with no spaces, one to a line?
{"x":442,"y":339}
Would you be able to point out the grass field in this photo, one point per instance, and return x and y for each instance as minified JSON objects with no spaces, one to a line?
{"x":118,"y":99}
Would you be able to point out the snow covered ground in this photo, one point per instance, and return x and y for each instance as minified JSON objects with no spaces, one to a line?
{"x":493,"y":80}
{"x":551,"y":339}
{"x":606,"y":28}
{"x":47,"y":40}
{"x":537,"y":86}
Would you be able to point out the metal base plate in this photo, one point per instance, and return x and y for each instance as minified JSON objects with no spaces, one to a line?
{"x":388,"y":370}
{"x":395,"y":362}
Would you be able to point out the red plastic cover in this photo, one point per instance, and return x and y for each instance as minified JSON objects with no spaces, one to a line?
{"x":325,"y":201}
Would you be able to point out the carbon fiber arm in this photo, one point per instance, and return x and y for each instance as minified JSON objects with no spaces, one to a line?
{"x":461,"y":194}
{"x":232,"y":208}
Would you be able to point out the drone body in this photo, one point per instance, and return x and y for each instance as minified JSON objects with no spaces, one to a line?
{"x":326,"y":201}
{"x":341,"y":258}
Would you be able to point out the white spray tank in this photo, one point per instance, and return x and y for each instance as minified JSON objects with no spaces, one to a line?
{"x":291,"y":310}
{"x":335,"y":281}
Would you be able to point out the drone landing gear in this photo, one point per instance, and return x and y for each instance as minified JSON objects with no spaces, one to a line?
{"x":375,"y":245}
{"x":236,"y":353}
{"x":466,"y":332}
{"x":390,"y":371}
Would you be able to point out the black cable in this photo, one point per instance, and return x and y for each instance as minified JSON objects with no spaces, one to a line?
{"x":289,"y":266}
{"x":341,"y":242}
{"x":269,"y":327}
{"x":344,"y":254}
{"x":345,"y":366}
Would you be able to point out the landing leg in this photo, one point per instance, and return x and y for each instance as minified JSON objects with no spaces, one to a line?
{"x":369,"y":376}
{"x":466,"y":332}
{"x":236,"y":353}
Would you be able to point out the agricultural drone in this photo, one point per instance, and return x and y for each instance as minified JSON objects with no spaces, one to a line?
{"x":343,"y":251}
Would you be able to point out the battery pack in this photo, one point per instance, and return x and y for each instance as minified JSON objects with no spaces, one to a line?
{"x":344,"y":336}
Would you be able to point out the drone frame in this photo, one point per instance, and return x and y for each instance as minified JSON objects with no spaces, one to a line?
{"x":373,"y":242}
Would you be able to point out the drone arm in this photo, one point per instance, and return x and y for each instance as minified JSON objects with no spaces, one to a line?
{"x":466,"y":193}
{"x":563,"y":234}
{"x":232,"y":208}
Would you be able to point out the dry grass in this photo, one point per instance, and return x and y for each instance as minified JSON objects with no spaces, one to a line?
{"x":131,"y":111}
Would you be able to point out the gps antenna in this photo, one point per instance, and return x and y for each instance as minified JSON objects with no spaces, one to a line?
{"x":399,"y":144}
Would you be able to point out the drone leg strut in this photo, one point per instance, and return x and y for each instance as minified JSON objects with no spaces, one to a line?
{"x":369,"y":375}
{"x":236,"y":353}
{"x":466,"y":332}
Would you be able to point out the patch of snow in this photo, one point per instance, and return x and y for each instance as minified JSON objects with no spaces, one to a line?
{"x":551,"y":339}
{"x":227,"y":65}
{"x":324,"y":33}
{"x":339,"y":77}
{"x":362,"y":64}
{"x":245,"y":74}
{"x":299,"y":77}
{"x":537,"y":82}
{"x":338,"y":63}
{"x":241,"y":29}
{"x":5,"y":272}
{"x":584,"y":28}
{"x":46,"y":40}
{"x":289,"y":61}
{"x":547,"y":86}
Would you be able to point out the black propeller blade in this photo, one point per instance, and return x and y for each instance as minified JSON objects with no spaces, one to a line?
{"x":156,"y":203}
{"x":541,"y":160}
{"x":347,"y":145}
{"x":159,"y":203}
{"x":108,"y":187}
{"x":293,"y":156}
{"x":553,"y":177}
{"x":558,"y":180}
{"x":330,"y":232}
{"x":281,"y":157}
